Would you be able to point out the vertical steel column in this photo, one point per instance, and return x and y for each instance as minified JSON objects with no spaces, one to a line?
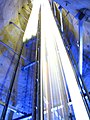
{"x":36,"y":103}
{"x":41,"y":75}
{"x":11,"y":86}
{"x":61,"y":20}
{"x":36,"y":97}
{"x":80,"y":16}
{"x":35,"y":89}
{"x":81,"y":46}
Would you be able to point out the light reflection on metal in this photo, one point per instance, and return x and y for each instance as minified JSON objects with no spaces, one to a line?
{"x":51,"y":42}
{"x":29,"y":65}
{"x":80,"y":17}
{"x":16,"y":26}
{"x":27,"y":117}
{"x":50,"y":73}
{"x":26,"y":9}
{"x":12,"y":108}
{"x":81,"y":46}
{"x":61,"y":20}
{"x":23,"y":16}
{"x":54,"y":9}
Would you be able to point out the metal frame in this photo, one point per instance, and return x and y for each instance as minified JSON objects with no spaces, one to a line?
{"x":12,"y":108}
{"x":81,"y":47}
{"x":26,"y":9}
{"x":23,"y":16}
{"x":80,"y":81}
{"x":29,"y":65}
{"x":16,"y":26}
{"x":11,"y":86}
{"x":35,"y":87}
{"x":54,"y":8}
{"x":38,"y":74}
{"x":8,"y":47}
{"x":80,"y":17}
{"x":61,"y":18}
{"x":24,"y":116}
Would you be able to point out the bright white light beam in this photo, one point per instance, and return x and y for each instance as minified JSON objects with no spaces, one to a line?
{"x":32,"y":24}
{"x":78,"y":104}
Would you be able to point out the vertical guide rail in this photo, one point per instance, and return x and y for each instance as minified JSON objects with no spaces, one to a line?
{"x":11,"y":86}
{"x":36,"y":102}
{"x":41,"y":70}
{"x":35,"y":87}
{"x":38,"y":65}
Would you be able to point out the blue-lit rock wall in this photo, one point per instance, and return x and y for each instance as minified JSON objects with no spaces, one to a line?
{"x":21,"y":99}
{"x":22,"y":94}
{"x":71,"y":35}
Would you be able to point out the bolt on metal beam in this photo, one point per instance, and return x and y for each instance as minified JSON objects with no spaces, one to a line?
{"x":8,"y":47}
{"x":29,"y":6}
{"x":16,"y":26}
{"x":23,"y":16}
{"x":26,"y":9}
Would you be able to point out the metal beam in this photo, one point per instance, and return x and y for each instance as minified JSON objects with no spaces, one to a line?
{"x":16,"y":26}
{"x":35,"y":85}
{"x":54,"y":8}
{"x":29,"y":6}
{"x":23,"y":16}
{"x":38,"y":74}
{"x":8,"y":47}
{"x":81,"y":46}
{"x":24,"y":116}
{"x":12,"y":108}
{"x":61,"y":20}
{"x":11,"y":86}
{"x":26,"y":9}
{"x":80,"y":17}
{"x":29,"y":65}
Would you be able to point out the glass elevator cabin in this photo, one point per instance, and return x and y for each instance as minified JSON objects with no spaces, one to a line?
{"x":52,"y":87}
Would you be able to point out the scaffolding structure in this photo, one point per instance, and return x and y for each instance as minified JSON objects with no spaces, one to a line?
{"x":52,"y":86}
